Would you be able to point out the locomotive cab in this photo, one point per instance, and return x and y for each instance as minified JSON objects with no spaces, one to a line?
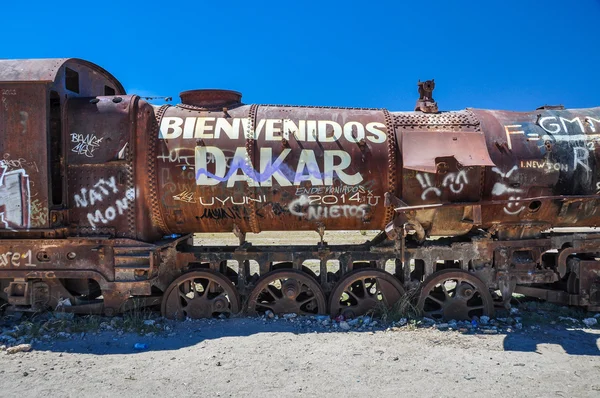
{"x":34,"y":139}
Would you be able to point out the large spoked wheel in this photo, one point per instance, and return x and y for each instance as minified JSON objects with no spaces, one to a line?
{"x":455,"y":294}
{"x":200,"y":294}
{"x":287,"y":291}
{"x":364,"y":290}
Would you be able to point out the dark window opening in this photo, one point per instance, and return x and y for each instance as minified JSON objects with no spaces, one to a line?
{"x":72,"y":80}
{"x":109,"y":90}
{"x":56,"y":149}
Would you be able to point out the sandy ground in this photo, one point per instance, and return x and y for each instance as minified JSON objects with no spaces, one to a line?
{"x":258,"y":357}
{"x":267,"y":358}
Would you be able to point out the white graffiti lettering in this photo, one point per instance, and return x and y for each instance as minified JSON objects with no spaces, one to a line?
{"x":20,"y":163}
{"x":559,"y":129}
{"x":97,"y":193}
{"x":272,"y":129}
{"x":85,"y":144}
{"x":581,"y":158}
{"x":178,"y":155}
{"x":510,"y":132}
{"x":554,"y":127}
{"x":302,"y":207}
{"x":110,"y":214}
{"x":343,"y":199}
{"x":14,"y":259}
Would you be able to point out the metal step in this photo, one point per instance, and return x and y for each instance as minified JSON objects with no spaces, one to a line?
{"x":132,"y":263}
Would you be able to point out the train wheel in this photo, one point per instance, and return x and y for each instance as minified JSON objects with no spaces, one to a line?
{"x":287,"y":291}
{"x":364,"y":290}
{"x":455,"y":294}
{"x":200,"y":294}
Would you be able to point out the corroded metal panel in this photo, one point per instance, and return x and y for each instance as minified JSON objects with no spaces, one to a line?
{"x":272,"y":168}
{"x":100,"y":166}
{"x":420,"y":149}
{"x":52,"y":71}
{"x":23,"y":157}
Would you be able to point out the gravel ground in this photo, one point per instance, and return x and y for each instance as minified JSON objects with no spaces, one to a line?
{"x":536,"y":350}
{"x":301,"y":356}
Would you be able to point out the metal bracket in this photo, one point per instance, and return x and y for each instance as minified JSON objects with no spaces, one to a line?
{"x":239,"y":234}
{"x":321,"y":231}
{"x":426,"y":103}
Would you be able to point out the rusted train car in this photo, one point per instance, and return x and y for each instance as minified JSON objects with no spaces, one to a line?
{"x":100,"y":193}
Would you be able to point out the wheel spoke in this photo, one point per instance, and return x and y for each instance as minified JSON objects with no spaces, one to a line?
{"x":440,"y":302}
{"x":478,"y":307}
{"x":308,"y":300}
{"x":269,"y":289}
{"x":466,"y":287}
{"x":208,"y":286}
{"x":351,"y":293}
{"x":293,"y":289}
{"x":378,"y":287}
{"x":177,"y":302}
{"x":183,"y":296}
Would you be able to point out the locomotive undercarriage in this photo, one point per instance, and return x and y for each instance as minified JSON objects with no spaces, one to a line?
{"x":451,"y":278}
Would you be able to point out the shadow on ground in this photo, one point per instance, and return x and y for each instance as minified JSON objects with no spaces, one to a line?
{"x":573,"y":341}
{"x":191,"y":333}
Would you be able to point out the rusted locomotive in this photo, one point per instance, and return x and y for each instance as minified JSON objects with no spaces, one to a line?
{"x":100,"y":193}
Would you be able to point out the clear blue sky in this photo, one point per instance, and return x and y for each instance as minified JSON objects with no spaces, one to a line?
{"x":511,"y":54}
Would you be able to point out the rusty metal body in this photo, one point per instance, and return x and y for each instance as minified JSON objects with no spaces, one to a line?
{"x":100,"y":191}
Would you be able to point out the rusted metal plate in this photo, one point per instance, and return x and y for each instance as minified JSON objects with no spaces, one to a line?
{"x":272,"y":168}
{"x":52,"y":70}
{"x":57,"y":255}
{"x":100,"y":169}
{"x":30,"y":70}
{"x":335,"y":175}
{"x":546,"y":153}
{"x":23,"y":157}
{"x":420,"y":149}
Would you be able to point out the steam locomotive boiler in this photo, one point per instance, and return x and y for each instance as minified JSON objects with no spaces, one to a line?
{"x":101,"y":193}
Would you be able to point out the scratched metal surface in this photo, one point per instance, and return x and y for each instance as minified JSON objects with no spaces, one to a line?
{"x":546,"y":153}
{"x":100,"y":180}
{"x":301,"y":168}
